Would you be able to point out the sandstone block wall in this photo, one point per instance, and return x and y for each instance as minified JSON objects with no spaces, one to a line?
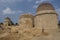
{"x":47,"y":21}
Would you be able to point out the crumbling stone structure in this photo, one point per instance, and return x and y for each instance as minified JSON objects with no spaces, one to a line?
{"x":42,"y":26}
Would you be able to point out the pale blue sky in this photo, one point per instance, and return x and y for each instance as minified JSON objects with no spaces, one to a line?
{"x":14,"y":8}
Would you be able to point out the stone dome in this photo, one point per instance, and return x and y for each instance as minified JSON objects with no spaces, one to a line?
{"x":45,"y":6}
{"x":26,"y":19}
{"x":7,"y":19}
{"x":26,"y":16}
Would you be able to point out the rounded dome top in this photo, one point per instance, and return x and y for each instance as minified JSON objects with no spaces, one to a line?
{"x":7,"y":19}
{"x":26,"y":16}
{"x":45,"y":6}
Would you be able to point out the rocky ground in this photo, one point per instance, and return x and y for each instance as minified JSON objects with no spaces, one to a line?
{"x":29,"y":34}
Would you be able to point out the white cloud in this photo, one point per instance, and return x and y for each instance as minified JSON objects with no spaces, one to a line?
{"x":10,"y":11}
{"x":37,"y":2}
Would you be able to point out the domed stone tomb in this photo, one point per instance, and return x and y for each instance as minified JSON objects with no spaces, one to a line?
{"x":45,"y":8}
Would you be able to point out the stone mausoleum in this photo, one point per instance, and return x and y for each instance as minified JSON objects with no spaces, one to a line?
{"x":42,"y":26}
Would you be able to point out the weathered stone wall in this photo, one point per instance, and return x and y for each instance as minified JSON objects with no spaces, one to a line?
{"x":47,"y":21}
{"x":26,"y":20}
